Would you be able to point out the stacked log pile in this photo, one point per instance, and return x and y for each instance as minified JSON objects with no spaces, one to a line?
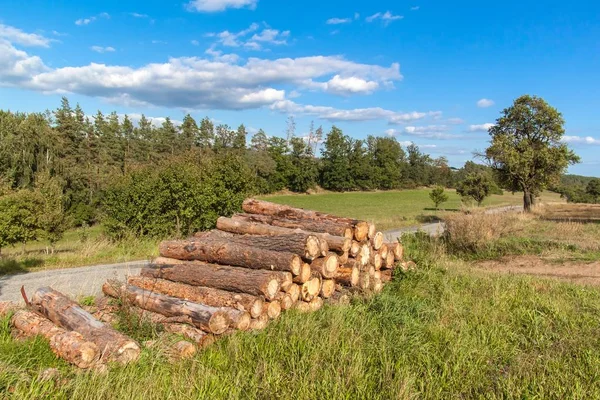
{"x":240,"y":276}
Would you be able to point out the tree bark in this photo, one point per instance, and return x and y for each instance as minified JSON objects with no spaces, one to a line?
{"x":310,"y":225}
{"x":209,"y":319}
{"x":199,"y":294}
{"x":223,"y":252}
{"x":326,"y":266}
{"x":68,"y":345}
{"x":252,"y":206}
{"x":112,"y":345}
{"x":307,"y":246}
{"x":233,"y":279}
{"x":348,"y":276}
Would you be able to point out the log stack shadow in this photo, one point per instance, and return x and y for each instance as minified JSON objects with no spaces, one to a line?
{"x":240,"y":276}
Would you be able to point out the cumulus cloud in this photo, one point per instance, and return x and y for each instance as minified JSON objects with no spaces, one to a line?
{"x":337,"y":21}
{"x":89,"y":20}
{"x":386,"y":17}
{"x":480,"y":127}
{"x":344,"y":85}
{"x":484,"y":103}
{"x":16,"y":66}
{"x":15,"y":35}
{"x":254,"y":42}
{"x":426,"y":132}
{"x":220,"y":5}
{"x":100,"y":49}
{"x":581,"y":140}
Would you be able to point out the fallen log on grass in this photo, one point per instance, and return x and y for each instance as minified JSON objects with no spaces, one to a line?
{"x":112,"y":345}
{"x":233,"y":279}
{"x":226,"y":253}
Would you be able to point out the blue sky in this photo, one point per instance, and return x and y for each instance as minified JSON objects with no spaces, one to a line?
{"x":430,"y":72}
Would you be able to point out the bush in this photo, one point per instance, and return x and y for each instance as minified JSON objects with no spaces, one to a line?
{"x":177,"y":198}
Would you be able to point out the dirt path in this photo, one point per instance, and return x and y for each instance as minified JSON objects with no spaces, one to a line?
{"x":576,"y":272}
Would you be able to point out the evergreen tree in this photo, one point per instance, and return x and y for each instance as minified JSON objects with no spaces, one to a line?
{"x":239,"y":141}
{"x":189,"y":132}
{"x":336,"y":174}
{"x":206,"y":135}
{"x":259,"y":141}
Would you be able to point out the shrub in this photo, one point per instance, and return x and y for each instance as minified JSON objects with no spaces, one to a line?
{"x":438,"y":196}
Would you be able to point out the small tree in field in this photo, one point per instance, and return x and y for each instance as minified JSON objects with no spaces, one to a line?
{"x":593,"y":189}
{"x":476,"y":186}
{"x":438,"y":196}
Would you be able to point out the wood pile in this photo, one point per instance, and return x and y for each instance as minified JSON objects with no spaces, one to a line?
{"x":240,"y":276}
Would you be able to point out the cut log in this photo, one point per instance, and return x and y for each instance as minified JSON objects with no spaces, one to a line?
{"x":272,"y":309}
{"x":397,"y":249}
{"x":386,"y":276}
{"x":389,"y":262}
{"x":348,"y":276}
{"x":222,"y":277}
{"x":336,"y":243}
{"x":383,"y":252}
{"x":307,"y":246}
{"x":68,"y":345}
{"x":200,"y":294}
{"x":364,"y":281}
{"x":210,"y":319}
{"x":303,"y":306}
{"x":339,"y":298}
{"x":223,"y":252}
{"x":285,"y":301}
{"x":377,"y":240}
{"x":309,"y":225}
{"x":310,"y":289}
{"x":355,"y":249}
{"x":315,"y":304}
{"x":376,"y":285}
{"x":343,"y":257}
{"x":364,"y":256}
{"x":259,"y":323}
{"x":370,"y":269}
{"x":326,"y":266}
{"x":252,"y":206}
{"x":373,"y":232}
{"x":181,"y":350}
{"x":376,"y":260}
{"x":7,"y":307}
{"x":377,"y":275}
{"x":305,"y":273}
{"x":294,"y":292}
{"x":58,"y":308}
{"x":201,"y":338}
{"x":327,"y":288}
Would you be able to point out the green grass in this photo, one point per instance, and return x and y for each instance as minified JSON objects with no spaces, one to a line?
{"x":72,"y":251}
{"x":392,"y":209}
{"x":438,"y":333}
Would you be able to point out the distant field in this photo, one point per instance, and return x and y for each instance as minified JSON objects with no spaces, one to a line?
{"x":392,"y":209}
{"x":573,"y":212}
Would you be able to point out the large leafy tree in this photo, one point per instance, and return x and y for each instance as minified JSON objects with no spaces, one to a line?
{"x":526,"y":150}
{"x":476,"y":186}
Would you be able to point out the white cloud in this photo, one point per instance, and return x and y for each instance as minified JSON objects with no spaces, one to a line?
{"x":220,"y":5}
{"x":100,"y":49}
{"x":350,"y":85}
{"x":429,"y":132}
{"x":337,"y":21}
{"x":581,"y":140}
{"x":16,"y":35}
{"x":138,"y":15}
{"x":86,"y":21}
{"x":480,"y":128}
{"x":16,"y":66}
{"x":195,"y":42}
{"x":239,"y":39}
{"x":358,"y":114}
{"x":484,"y":103}
{"x":386,"y":17}
{"x":415,"y":8}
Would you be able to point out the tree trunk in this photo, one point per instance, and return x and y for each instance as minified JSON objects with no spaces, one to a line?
{"x":348,"y":276}
{"x":307,"y":246}
{"x":68,"y":345}
{"x":112,"y":345}
{"x":244,"y":226}
{"x":526,"y":200}
{"x":233,"y":279}
{"x":223,"y":252}
{"x":209,"y":319}
{"x":310,"y":225}
{"x":252,"y":206}
{"x":364,"y":281}
{"x":199,"y":294}
{"x":326,"y":266}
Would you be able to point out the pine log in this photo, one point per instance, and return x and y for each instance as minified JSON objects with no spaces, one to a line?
{"x":355,"y":249}
{"x":272,"y":309}
{"x":233,"y":279}
{"x":377,"y":240}
{"x":303,"y":306}
{"x":364,"y":281}
{"x":377,"y":275}
{"x":307,"y":246}
{"x":373,"y":232}
{"x":383,"y":252}
{"x":315,"y":304}
{"x":259,"y":323}
{"x":342,"y":256}
{"x":348,"y":276}
{"x":336,"y":243}
{"x":389,"y":262}
{"x":294,"y":292}
{"x":64,"y":312}
{"x":223,"y":252}
{"x":386,"y":276}
{"x":397,"y":249}
{"x":327,"y":288}
{"x":364,"y":256}
{"x":326,"y":266}
{"x":200,"y":294}
{"x":324,"y":246}
{"x":181,"y":350}
{"x":310,"y":225}
{"x":285,"y":301}
{"x":209,"y":319}
{"x":310,"y":289}
{"x":376,"y":260}
{"x":252,"y":206}
{"x":68,"y":345}
{"x":305,"y":273}
{"x":370,"y":269}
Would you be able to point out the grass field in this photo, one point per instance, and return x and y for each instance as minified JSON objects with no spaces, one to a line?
{"x":438,"y":333}
{"x":393,"y":209}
